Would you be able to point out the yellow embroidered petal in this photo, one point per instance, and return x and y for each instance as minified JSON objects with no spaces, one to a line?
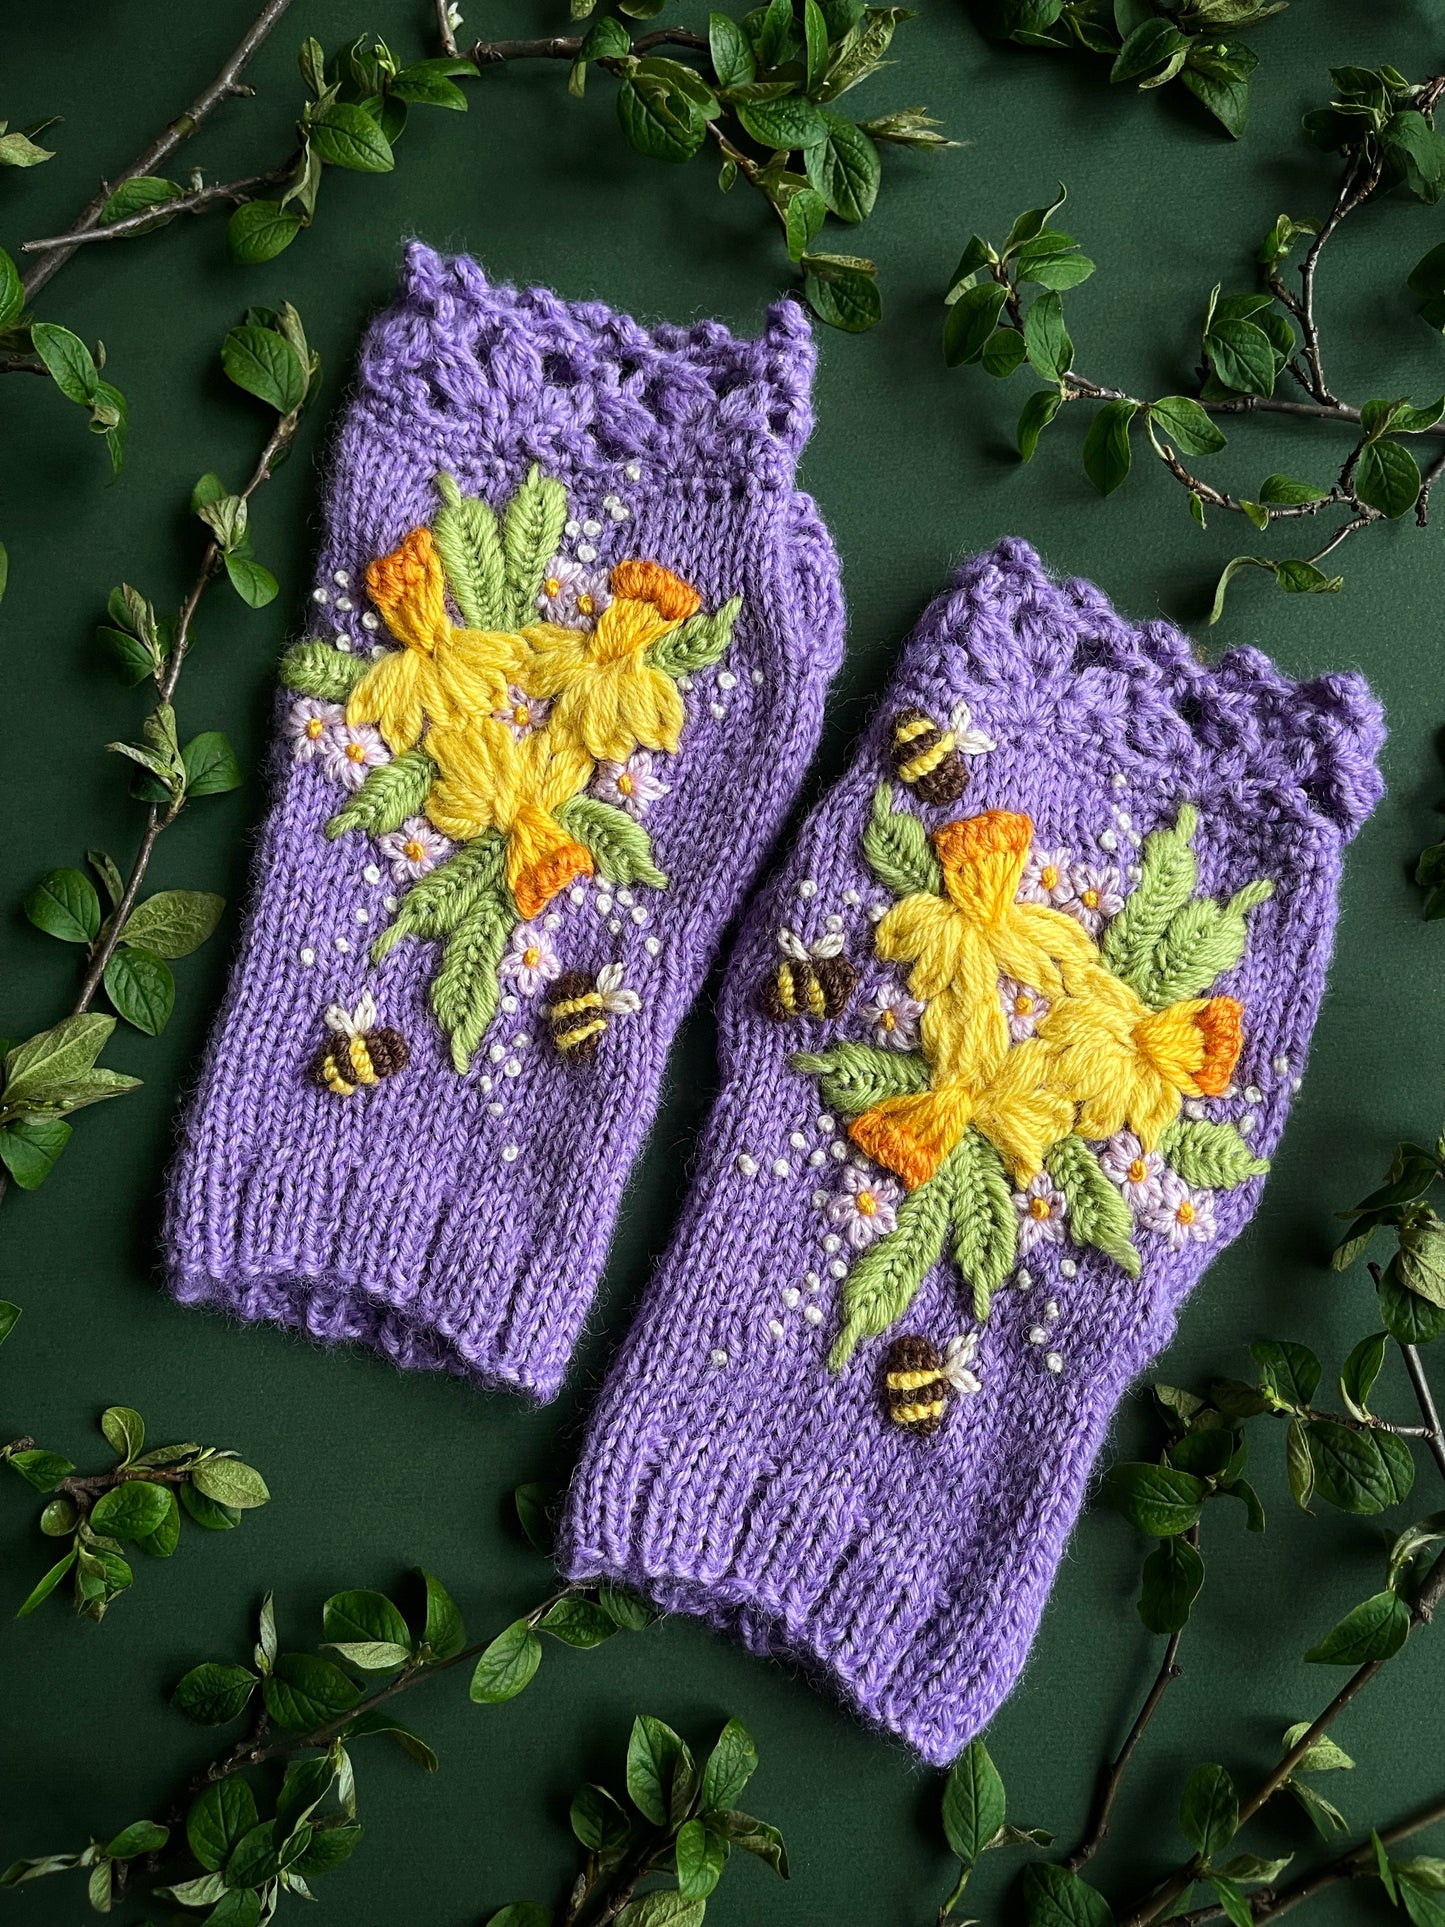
{"x":929,"y":934}
{"x":983,"y":861}
{"x":482,"y":778}
{"x":626,"y":628}
{"x":542,"y":859}
{"x":1023,"y":1113}
{"x":965,"y":1031}
{"x":390,"y":695}
{"x":474,"y":669}
{"x":553,"y":659}
{"x":410,"y":590}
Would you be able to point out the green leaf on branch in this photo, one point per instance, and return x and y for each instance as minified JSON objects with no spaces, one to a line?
{"x":842,"y":291}
{"x":303,"y":1692}
{"x":1209,"y":1810}
{"x":230,"y":1483}
{"x":173,"y":923}
{"x":1184,"y":423}
{"x":260,"y":230}
{"x":1106,"y":446}
{"x":212,"y":1694}
{"x":1173,"y":1575}
{"x":1156,"y":1499}
{"x":1054,"y":1896}
{"x":507,"y":1665}
{"x":343,"y":134}
{"x":1387,"y":478}
{"x":64,"y":904}
{"x":1376,"y":1629}
{"x":141,"y":987}
{"x":974,"y":1806}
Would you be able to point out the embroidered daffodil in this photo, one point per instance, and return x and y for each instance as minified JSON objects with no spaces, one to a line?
{"x":1099,"y":1058}
{"x":489,"y":779}
{"x":607,"y":698}
{"x":441,"y":673}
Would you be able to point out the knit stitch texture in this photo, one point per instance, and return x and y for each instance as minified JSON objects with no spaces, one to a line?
{"x":572,"y":628}
{"x":934,"y":1237}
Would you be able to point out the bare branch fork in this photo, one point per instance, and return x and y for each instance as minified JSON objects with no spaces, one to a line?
{"x":226,"y":85}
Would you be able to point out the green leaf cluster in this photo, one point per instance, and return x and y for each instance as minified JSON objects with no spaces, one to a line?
{"x":1152,"y":45}
{"x":140,"y":1501}
{"x":975,"y":1821}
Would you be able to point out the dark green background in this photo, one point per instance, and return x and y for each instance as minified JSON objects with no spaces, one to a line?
{"x":373,"y":1472}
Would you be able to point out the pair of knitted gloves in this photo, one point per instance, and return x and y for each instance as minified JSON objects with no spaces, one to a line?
{"x":1006,"y":1042}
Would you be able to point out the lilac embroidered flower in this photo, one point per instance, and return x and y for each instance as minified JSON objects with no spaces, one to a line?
{"x":1183,"y":1215}
{"x":413,"y":849}
{"x":1024,"y":1008}
{"x":351,"y":752}
{"x":521,"y":713}
{"x":529,"y":962}
{"x":573,"y":596}
{"x":893,"y":1015}
{"x":630,"y":786}
{"x":1047,"y":878}
{"x":1094,"y":895}
{"x":1137,"y":1172}
{"x":866,"y":1208}
{"x":1043,"y":1213}
{"x":307,"y":723}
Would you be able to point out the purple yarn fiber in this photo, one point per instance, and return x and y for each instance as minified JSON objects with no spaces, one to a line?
{"x":726,"y":1472}
{"x":455,"y":1227}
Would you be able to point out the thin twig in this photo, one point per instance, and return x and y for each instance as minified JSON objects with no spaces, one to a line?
{"x":226,"y":85}
{"x":1425,"y":1398}
{"x":196,"y":202}
{"x":1113,"y":1778}
{"x":444,"y":29}
{"x":490,"y":53}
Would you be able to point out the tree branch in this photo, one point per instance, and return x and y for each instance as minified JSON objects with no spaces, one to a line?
{"x":196,"y":202}
{"x":226,"y":84}
{"x":1113,"y":1778}
{"x":490,"y":53}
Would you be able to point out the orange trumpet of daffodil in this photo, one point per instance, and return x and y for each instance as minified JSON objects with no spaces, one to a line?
{"x":1101,"y":1057}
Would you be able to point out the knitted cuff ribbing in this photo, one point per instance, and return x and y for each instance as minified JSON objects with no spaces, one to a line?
{"x":1007,"y":1047}
{"x":573,"y":625}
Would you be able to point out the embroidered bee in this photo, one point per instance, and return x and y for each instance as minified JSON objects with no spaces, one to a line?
{"x":813,"y":980}
{"x":919,"y":1381}
{"x":359,"y":1051}
{"x":582,"y":1007}
{"x":930,"y":758}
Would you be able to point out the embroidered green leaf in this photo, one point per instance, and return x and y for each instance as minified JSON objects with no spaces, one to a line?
{"x":464,"y":991}
{"x":621,"y":848}
{"x":697,"y":643}
{"x":1201,"y":941}
{"x":985,"y":1224}
{"x":391,"y":793}
{"x":898,"y":850}
{"x":320,"y":669}
{"x":468,"y":541}
{"x":1213,"y":1156}
{"x":531,"y":530}
{"x":882,"y":1284}
{"x":1166,"y":883}
{"x":854,"y":1077}
{"x":1098,"y":1216}
{"x":470,"y":879}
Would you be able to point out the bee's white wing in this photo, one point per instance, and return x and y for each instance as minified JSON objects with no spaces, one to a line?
{"x":828,"y":945}
{"x":792,"y":945}
{"x":339,"y":1019}
{"x":364,"y":1016}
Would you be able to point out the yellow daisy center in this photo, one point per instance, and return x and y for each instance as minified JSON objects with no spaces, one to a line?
{"x":314,"y":727}
{"x":1185,"y":1214}
{"x":552,"y":586}
{"x":1049,"y":876}
{"x":356,"y":752}
{"x":1090,"y":899}
{"x":626,"y":784}
{"x":1138,"y":1171}
{"x":531,"y":956}
{"x":585,"y":604}
{"x":1023,"y":1004}
{"x":888,"y":1020}
{"x":867,"y":1203}
{"x":1038,"y":1207}
{"x":412,"y":850}
{"x":521,"y":715}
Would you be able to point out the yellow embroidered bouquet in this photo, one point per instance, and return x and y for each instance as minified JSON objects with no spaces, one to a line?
{"x":493,"y":729}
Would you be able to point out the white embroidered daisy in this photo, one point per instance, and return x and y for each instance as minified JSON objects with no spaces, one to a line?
{"x":521,"y":713}
{"x":529,"y":961}
{"x":633,"y":786}
{"x":1183,"y":1215}
{"x":413,"y":849}
{"x":1137,"y":1172}
{"x":1024,"y":1008}
{"x":1094,"y":895}
{"x":1042,"y":1213}
{"x":572,"y":595}
{"x":1048,"y":878}
{"x":350,"y":752}
{"x":866,"y":1208}
{"x":893,"y":1016}
{"x":307,"y":723}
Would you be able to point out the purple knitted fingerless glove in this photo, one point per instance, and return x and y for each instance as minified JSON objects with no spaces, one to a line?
{"x":572,"y":629}
{"x":1006,"y":1048}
